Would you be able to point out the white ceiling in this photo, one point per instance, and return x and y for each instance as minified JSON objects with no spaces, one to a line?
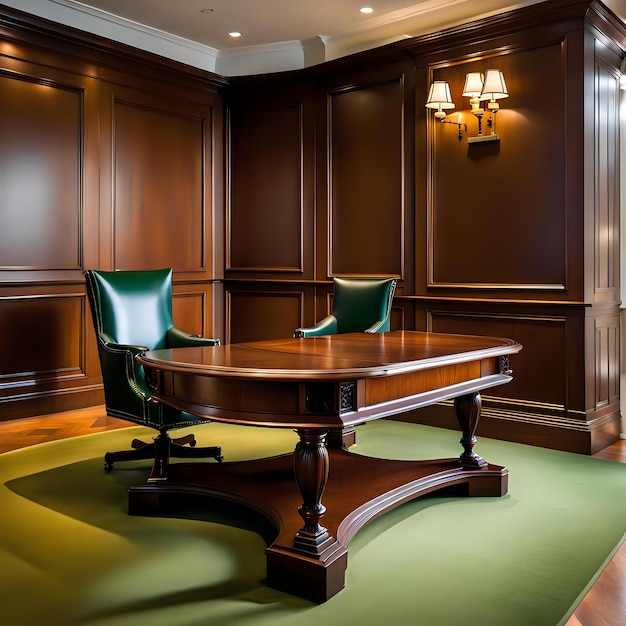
{"x":264,"y":22}
{"x":275,"y":33}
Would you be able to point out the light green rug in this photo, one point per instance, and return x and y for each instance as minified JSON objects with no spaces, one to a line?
{"x":70,"y":555}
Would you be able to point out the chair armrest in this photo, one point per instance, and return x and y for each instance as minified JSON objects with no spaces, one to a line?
{"x":374,"y":328}
{"x":177,"y":338}
{"x":120,"y":347}
{"x":327,"y":326}
{"x":125,"y":388}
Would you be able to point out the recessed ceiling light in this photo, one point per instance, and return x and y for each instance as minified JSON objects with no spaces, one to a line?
{"x":234,"y":34}
{"x":367,"y":10}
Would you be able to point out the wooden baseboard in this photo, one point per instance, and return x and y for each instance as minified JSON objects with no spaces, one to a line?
{"x":50,"y":402}
{"x":582,"y":437}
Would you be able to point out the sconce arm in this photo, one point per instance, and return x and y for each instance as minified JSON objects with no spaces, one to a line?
{"x":460,"y":125}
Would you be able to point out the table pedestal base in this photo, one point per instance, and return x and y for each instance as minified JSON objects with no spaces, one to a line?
{"x":359,"y":489}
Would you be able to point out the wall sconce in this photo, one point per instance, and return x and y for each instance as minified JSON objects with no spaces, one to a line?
{"x":478,"y":88}
{"x":439,"y":98}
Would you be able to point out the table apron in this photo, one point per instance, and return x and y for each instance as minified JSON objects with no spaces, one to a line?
{"x":317,"y":404}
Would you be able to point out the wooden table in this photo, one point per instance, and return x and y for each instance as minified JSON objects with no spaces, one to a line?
{"x":321,"y":386}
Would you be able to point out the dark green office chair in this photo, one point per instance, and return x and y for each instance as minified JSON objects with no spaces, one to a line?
{"x":359,"y":305}
{"x":132,"y":312}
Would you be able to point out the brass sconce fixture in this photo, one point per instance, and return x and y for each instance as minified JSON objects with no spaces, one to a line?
{"x":478,"y":88}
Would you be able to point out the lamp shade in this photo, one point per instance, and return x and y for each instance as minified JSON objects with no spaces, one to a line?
{"x":473,"y":85}
{"x":494,"y":86}
{"x":439,"y":96}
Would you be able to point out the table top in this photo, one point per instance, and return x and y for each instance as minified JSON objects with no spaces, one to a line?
{"x":330,"y":357}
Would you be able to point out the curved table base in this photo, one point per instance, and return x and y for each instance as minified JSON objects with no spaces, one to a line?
{"x":359,"y":489}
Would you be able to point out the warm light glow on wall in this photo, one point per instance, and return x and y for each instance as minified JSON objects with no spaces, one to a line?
{"x":488,"y":87}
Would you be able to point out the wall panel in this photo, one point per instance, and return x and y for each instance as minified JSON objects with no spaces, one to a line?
{"x":366,"y":183}
{"x":265,"y":188}
{"x":159,"y":188}
{"x":188,"y":311}
{"x":254,"y":316}
{"x":41,"y":338}
{"x":192,"y":309}
{"x":41,"y":132}
{"x":606,"y":218}
{"x":539,"y":370}
{"x":497,"y":210}
{"x":604,"y":384}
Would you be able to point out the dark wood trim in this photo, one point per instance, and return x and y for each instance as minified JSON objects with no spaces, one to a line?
{"x":24,"y":28}
{"x":579,"y":436}
{"x":42,"y":403}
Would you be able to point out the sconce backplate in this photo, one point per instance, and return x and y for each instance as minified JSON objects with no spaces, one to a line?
{"x":483,"y":138}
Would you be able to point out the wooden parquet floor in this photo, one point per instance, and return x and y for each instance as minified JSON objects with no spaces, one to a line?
{"x":20,"y":433}
{"x":604,"y":605}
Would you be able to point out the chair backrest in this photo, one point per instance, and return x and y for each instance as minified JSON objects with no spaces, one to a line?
{"x":358,"y":303}
{"x":132,"y":307}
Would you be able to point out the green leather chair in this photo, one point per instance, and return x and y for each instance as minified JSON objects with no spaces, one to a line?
{"x":359,"y":305}
{"x":132,"y":312}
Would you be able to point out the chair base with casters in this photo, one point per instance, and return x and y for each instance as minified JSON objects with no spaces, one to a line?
{"x":162,"y":448}
{"x":132,"y":313}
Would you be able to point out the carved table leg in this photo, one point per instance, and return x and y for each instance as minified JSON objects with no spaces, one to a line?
{"x":314,"y":565}
{"x":467,"y":410}
{"x":311,"y":470}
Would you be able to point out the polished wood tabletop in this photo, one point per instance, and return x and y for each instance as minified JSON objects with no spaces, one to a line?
{"x":329,"y":381}
{"x":332,"y":356}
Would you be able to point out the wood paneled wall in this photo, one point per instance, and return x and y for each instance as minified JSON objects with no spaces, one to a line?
{"x":517,"y":238}
{"x":258,"y":190}
{"x":341,"y":202}
{"x":109,"y":159}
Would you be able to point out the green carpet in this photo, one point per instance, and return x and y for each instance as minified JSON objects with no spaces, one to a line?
{"x":70,"y":555}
